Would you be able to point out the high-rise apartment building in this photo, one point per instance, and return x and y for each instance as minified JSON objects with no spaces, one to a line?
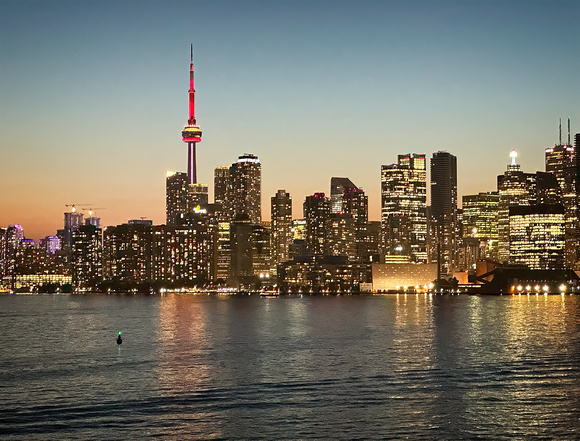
{"x":403,"y":208}
{"x":182,"y":198}
{"x":561,"y":160}
{"x":86,"y":257}
{"x":223,"y":253}
{"x":221,"y":192}
{"x":515,"y":188}
{"x":356,"y":204}
{"x":444,"y":209}
{"x":340,"y":236}
{"x":246,"y":188}
{"x":176,"y":197}
{"x":127,"y":252}
{"x":537,"y":236}
{"x":281,"y":215}
{"x":250,"y":253}
{"x":72,"y":221}
{"x":317,"y":210}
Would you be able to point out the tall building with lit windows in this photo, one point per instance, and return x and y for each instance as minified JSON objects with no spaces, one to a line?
{"x":221,"y":192}
{"x":561,"y":160}
{"x":176,"y":197}
{"x":356,"y":204}
{"x":317,"y":210}
{"x":87,"y":262}
{"x":246,"y":188}
{"x":281,"y":215}
{"x":340,"y":236}
{"x":127,"y":252}
{"x":537,"y":235}
{"x":404,"y":209}
{"x":444,"y":209}
{"x":515,"y":188}
{"x":337,"y":188}
{"x":480,"y":222}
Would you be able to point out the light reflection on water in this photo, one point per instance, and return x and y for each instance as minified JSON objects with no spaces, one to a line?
{"x":338,"y":367}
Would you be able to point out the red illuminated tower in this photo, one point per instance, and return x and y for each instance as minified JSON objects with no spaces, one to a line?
{"x":191,"y":132}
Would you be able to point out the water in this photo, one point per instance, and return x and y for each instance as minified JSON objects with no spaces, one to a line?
{"x":345,"y":367}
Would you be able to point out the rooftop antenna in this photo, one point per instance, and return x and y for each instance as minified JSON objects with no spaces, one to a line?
{"x":513,"y":155}
{"x":569,"y":131}
{"x":192,"y":52}
{"x":560,"y":131}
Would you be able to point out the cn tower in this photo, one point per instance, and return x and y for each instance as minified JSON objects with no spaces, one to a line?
{"x":191,"y":132}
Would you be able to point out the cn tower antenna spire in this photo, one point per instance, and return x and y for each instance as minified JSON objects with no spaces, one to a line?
{"x":191,"y":133}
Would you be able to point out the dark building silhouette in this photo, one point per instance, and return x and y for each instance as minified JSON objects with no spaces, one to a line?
{"x":444,"y":209}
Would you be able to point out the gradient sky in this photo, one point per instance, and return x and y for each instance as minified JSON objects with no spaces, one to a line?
{"x":93,"y":95}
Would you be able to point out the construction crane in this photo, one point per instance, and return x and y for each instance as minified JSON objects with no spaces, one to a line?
{"x":73,"y":209}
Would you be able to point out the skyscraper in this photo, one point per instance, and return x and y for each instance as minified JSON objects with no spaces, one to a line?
{"x":176,"y":197}
{"x":480,"y":221}
{"x":72,"y":221}
{"x":403,"y":208}
{"x":191,"y":133}
{"x":340,"y":236}
{"x":561,"y":160}
{"x":356,"y":204}
{"x":246,"y":188}
{"x":221,"y":192}
{"x":281,"y":214}
{"x":87,"y":267}
{"x":337,"y":188}
{"x":316,"y":212}
{"x":515,"y":188}
{"x":537,"y":236}
{"x":444,"y":208}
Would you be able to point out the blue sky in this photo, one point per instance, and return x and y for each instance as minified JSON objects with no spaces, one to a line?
{"x":93,"y":95}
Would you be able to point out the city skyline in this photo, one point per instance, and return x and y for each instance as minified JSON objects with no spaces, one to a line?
{"x":337,"y":91}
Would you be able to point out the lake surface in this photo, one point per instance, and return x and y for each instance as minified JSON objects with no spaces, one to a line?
{"x":328,"y":367}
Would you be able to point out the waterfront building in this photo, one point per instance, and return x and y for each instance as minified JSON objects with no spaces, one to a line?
{"x":10,"y":239}
{"x":86,"y":257}
{"x":281,"y":227}
{"x":127,"y":252}
{"x":250,"y":253}
{"x":444,"y":209}
{"x":327,"y":274}
{"x":480,"y":222}
{"x":317,"y":210}
{"x":403,"y":277}
{"x":403,"y":208}
{"x":537,"y":234}
{"x":184,"y":255}
{"x":561,"y":160}
{"x":246,"y":188}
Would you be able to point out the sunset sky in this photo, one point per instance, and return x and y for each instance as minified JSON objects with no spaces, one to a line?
{"x":93,"y":95}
